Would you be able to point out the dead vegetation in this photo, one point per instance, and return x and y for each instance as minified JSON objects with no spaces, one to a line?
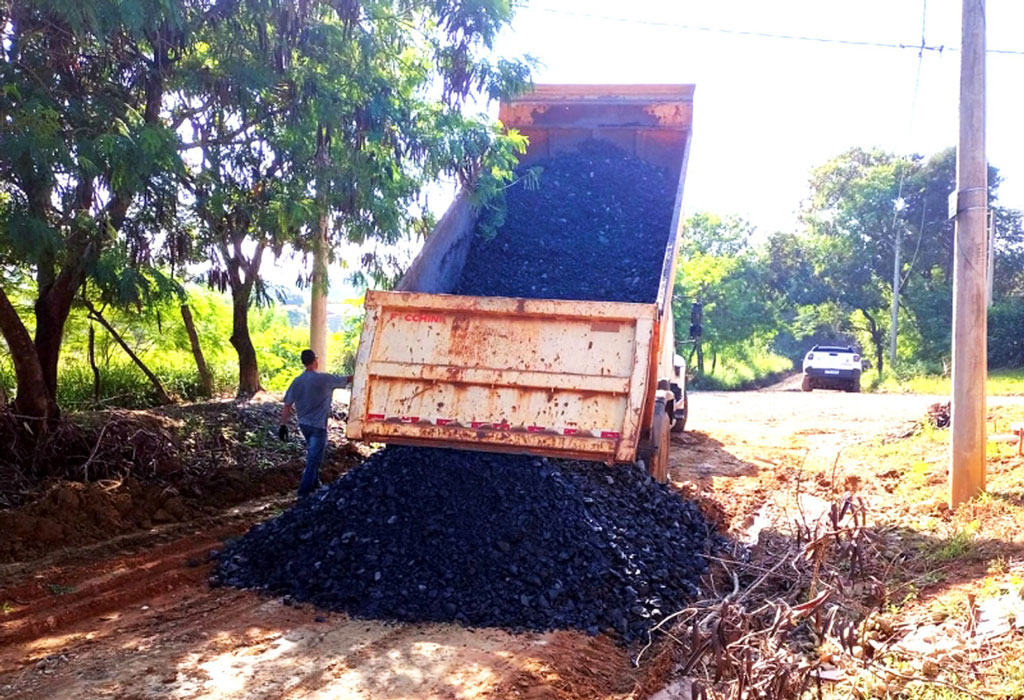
{"x":102,"y":473}
{"x":865,"y":585}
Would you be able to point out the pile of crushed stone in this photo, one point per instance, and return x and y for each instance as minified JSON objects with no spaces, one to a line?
{"x":595,"y":228}
{"x":482,"y":539}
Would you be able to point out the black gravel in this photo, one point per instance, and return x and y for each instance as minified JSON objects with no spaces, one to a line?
{"x":482,"y":539}
{"x":596,"y":228}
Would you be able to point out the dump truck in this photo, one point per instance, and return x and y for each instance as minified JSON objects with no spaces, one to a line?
{"x":577,"y":379}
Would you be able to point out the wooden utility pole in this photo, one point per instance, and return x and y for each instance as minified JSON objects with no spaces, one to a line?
{"x":967,"y":453}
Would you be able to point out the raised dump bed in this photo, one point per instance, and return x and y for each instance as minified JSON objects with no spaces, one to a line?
{"x":558,"y":377}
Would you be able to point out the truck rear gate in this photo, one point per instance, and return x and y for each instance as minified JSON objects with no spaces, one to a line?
{"x":558,"y":378}
{"x":578,"y":379}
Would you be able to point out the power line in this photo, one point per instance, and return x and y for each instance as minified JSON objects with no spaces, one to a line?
{"x":898,"y":204}
{"x":763,"y":35}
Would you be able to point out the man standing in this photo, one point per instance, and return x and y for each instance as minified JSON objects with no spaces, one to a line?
{"x":311,"y":393}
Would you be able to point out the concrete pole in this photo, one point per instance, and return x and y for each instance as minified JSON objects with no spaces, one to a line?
{"x":991,"y":255}
{"x":967,"y":453}
{"x":895,"y":325}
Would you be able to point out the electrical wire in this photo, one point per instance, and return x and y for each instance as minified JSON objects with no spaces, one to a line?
{"x":913,"y":111}
{"x":864,"y":43}
{"x":897,"y":204}
{"x":920,"y":236}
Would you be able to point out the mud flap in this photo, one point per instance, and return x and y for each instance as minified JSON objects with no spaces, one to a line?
{"x":657,"y":462}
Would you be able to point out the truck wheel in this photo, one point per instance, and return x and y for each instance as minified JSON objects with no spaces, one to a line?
{"x":806,"y":384}
{"x":855,"y":386}
{"x":679,"y":421}
{"x":660,"y":431}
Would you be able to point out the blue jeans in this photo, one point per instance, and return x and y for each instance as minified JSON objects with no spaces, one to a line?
{"x":316,"y":445}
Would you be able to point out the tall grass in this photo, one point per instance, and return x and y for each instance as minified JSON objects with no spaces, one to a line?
{"x":158,"y":337}
{"x":733,"y":373}
{"x":1001,"y":382}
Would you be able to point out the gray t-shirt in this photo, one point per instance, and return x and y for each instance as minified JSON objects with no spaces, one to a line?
{"x":311,"y":393}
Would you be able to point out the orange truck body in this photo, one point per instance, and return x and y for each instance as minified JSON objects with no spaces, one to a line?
{"x":558,"y":378}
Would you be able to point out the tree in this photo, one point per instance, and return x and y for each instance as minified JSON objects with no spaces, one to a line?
{"x":315,"y":123}
{"x":852,"y":229}
{"x":85,"y":156}
{"x":719,"y":269}
{"x":856,"y":209}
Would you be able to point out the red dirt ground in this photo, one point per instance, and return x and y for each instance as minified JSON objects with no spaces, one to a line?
{"x":133,"y":617}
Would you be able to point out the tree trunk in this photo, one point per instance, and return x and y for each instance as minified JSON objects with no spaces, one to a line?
{"x":248,"y":367}
{"x":318,"y":295}
{"x":33,"y":399}
{"x":878,"y":340}
{"x":161,"y":395}
{"x":318,"y":288}
{"x":51,"y":313}
{"x":205,"y":378}
{"x":96,"y":388}
{"x":700,"y":357}
{"x":714,"y":360}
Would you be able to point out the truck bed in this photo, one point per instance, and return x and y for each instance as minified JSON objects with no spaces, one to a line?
{"x":564,"y":378}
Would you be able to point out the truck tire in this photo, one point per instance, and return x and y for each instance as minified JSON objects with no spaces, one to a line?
{"x":855,"y":386}
{"x":660,"y":431}
{"x":806,"y":384}
{"x":679,"y":424}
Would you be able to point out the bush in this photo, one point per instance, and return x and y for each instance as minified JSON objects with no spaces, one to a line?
{"x":735,"y":373}
{"x":1006,"y":334}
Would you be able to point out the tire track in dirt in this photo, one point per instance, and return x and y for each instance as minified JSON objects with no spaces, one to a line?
{"x":145,"y":625}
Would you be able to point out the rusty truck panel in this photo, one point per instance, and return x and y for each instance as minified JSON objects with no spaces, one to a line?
{"x":559,"y":378}
{"x":651,"y":122}
{"x":548,"y":377}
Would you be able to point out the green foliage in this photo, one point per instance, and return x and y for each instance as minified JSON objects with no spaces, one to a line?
{"x":832,"y":282}
{"x":140,"y":137}
{"x":59,"y":589}
{"x":749,"y":369}
{"x":1001,"y":382}
{"x":1006,"y":333}
{"x":496,"y":173}
{"x":720,"y":269}
{"x":159,"y":337}
{"x":856,"y":210}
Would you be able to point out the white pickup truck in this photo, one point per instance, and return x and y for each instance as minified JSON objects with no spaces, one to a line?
{"x":832,"y":367}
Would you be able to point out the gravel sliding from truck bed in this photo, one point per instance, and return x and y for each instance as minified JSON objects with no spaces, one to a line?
{"x":485,"y":540}
{"x":594,"y":229}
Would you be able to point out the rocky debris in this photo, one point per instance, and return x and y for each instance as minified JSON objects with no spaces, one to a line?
{"x":595,"y":228}
{"x":481,"y":539}
{"x":938,"y":414}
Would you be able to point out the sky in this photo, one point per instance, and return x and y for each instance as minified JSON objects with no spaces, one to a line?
{"x":769,"y":110}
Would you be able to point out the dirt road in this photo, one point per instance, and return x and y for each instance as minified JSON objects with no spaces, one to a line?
{"x":134,"y":618}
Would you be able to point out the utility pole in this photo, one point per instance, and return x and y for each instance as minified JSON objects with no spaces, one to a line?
{"x":967,"y":449}
{"x":991,"y":254}
{"x":894,"y":326}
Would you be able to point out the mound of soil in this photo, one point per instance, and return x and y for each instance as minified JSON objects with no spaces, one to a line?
{"x":595,"y":228}
{"x":485,"y":540}
{"x":147,"y":468}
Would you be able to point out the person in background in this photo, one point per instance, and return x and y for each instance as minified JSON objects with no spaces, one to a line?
{"x":309,"y":396}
